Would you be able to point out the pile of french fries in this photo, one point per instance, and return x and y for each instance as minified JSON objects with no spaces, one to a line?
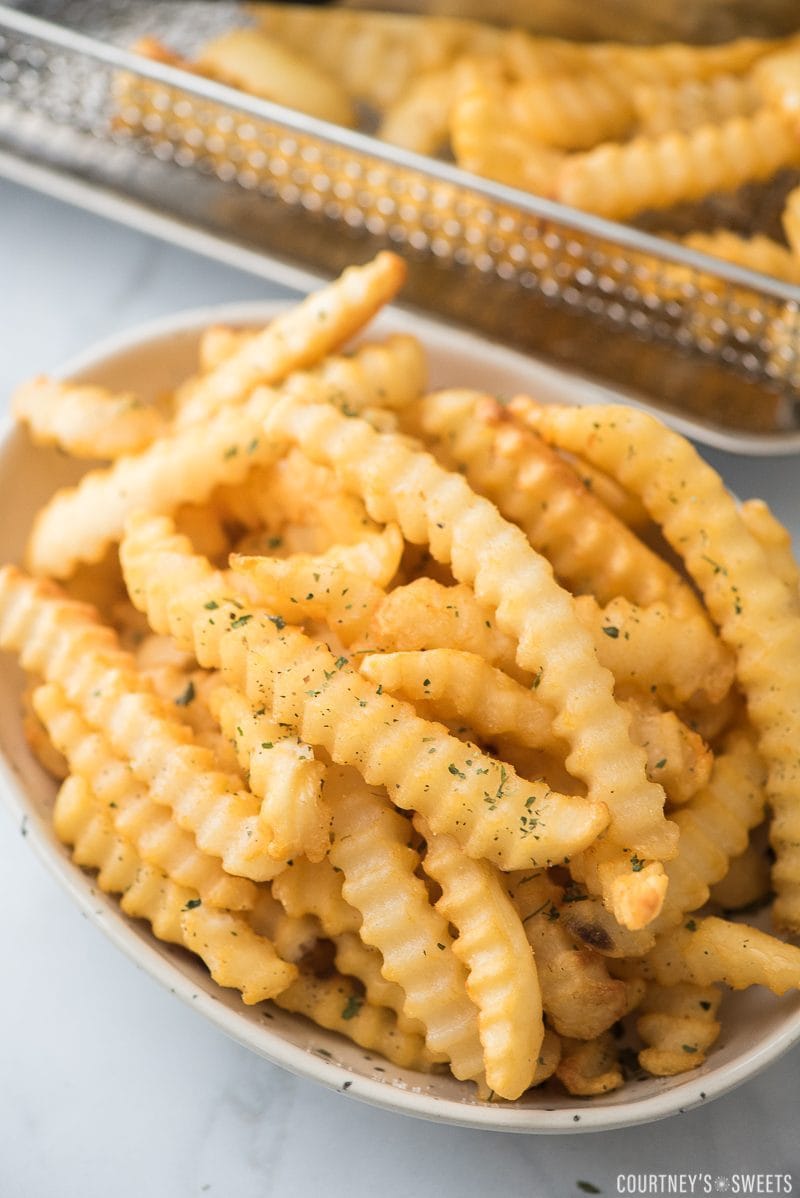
{"x":610,"y":128}
{"x":450,"y":724}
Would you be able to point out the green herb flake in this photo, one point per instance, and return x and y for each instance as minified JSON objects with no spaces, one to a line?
{"x":278,"y":621}
{"x":231,"y":451}
{"x":212,"y":605}
{"x":190,"y":904}
{"x":611,"y":631}
{"x":240,"y":621}
{"x":637,"y":864}
{"x":587,"y":1187}
{"x":455,"y":771}
{"x":691,"y":925}
{"x":689,"y":1047}
{"x":340,"y":663}
{"x":660,"y":764}
{"x":267,"y":744}
{"x":537,"y":679}
{"x":184,"y":699}
{"x":352,"y":1006}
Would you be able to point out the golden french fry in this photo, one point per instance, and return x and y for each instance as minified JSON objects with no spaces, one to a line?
{"x":37,"y":738}
{"x":501,"y":972}
{"x":283,"y":773}
{"x":571,"y":111}
{"x":248,"y":59}
{"x":334,"y":1003}
{"x":708,"y":950}
{"x":689,"y":103}
{"x":618,"y":180}
{"x":370,"y":847}
{"x":307,"y":888}
{"x":486,"y":142}
{"x":356,"y":959}
{"x":419,"y":120}
{"x":774,"y":539}
{"x":678,"y":1024}
{"x":87,"y":422}
{"x":589,"y":1067}
{"x":235,"y":955}
{"x":754,"y":253}
{"x":756,"y":609}
{"x":747,"y":881}
{"x":298,"y":338}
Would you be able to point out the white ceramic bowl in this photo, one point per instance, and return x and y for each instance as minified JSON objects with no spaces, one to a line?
{"x":757,"y":1028}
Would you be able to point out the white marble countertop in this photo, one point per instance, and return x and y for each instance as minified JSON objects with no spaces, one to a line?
{"x":108,"y":1085}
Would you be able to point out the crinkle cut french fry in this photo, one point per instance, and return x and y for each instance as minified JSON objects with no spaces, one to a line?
{"x":460,"y":685}
{"x":648,"y":647}
{"x":79,"y":523}
{"x":501,"y":972}
{"x":356,"y":959}
{"x":774,"y":539}
{"x":775,"y":79}
{"x":62,"y":641}
{"x":747,"y":881}
{"x":571,"y":111}
{"x":454,"y":684}
{"x":589,"y":1067}
{"x":342,"y":586}
{"x":190,"y":693}
{"x":85,"y":421}
{"x":589,"y":548}
{"x":756,"y":610}
{"x":294,"y":937}
{"x":618,"y":180}
{"x":235,"y":955}
{"x":150,"y":828}
{"x":186,"y":466}
{"x":37,"y":739}
{"x":678,"y":1024}
{"x":438,"y":508}
{"x":486,"y":142}
{"x":689,"y":103}
{"x":708,"y":950}
{"x":334,"y":1003}
{"x":370,"y":846}
{"x":300,"y":337}
{"x":315,"y":888}
{"x":283,"y":773}
{"x":459,"y":789}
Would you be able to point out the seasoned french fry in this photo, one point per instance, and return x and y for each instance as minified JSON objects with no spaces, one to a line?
{"x":149,"y":827}
{"x":678,"y":1024}
{"x":708,"y":950}
{"x":747,"y":881}
{"x":235,"y":955}
{"x":63,"y":642}
{"x":298,"y":338}
{"x":774,"y":539}
{"x":589,"y":1067}
{"x":356,"y":959}
{"x":37,"y":739}
{"x":307,"y":888}
{"x":283,"y":773}
{"x":501,"y":971}
{"x":755,"y":608}
{"x":535,"y":488}
{"x":334,"y":1003}
{"x":87,"y":422}
{"x":370,"y":847}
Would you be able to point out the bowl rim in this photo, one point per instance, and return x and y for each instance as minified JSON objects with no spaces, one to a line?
{"x":148,"y":954}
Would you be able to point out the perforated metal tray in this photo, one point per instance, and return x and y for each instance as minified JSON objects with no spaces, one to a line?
{"x":296,"y":199}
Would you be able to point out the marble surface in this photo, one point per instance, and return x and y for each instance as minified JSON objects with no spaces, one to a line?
{"x":109,"y":1086}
